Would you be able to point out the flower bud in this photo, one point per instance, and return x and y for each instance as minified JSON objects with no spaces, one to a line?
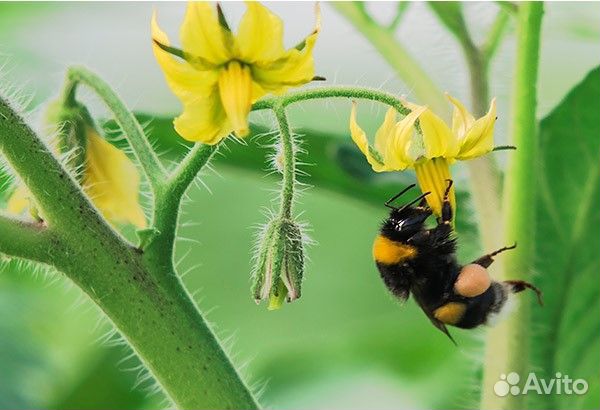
{"x":106,"y":174}
{"x":279,"y":264}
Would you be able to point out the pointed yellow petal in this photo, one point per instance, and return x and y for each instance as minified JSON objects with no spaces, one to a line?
{"x":260,"y":35}
{"x":437,"y":136}
{"x":112,"y":181}
{"x":479,"y":139}
{"x":386,"y":131}
{"x":183,"y":79}
{"x":294,"y":68}
{"x":203,"y":120}
{"x":360,"y":139}
{"x":433,"y":176}
{"x":202,"y":35}
{"x":462,"y":119}
{"x":438,"y":140}
{"x":397,"y":153}
{"x":235,"y":90}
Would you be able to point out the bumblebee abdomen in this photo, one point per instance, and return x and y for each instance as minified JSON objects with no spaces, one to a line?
{"x":389,"y":252}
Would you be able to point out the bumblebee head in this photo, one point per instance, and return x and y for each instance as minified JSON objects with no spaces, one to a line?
{"x":403,"y":222}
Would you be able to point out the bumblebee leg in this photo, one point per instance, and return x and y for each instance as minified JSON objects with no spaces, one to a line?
{"x":423,"y":204}
{"x":447,"y":210}
{"x":520,"y":285}
{"x":487,"y":260}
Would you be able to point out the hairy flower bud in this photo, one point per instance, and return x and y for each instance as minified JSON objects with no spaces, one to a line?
{"x":279,"y":264}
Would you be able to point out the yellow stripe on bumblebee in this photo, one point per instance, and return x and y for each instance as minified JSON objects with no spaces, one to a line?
{"x":390,"y":252}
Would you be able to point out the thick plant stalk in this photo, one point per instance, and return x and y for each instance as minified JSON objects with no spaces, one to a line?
{"x":508,"y":344}
{"x":137,"y":289}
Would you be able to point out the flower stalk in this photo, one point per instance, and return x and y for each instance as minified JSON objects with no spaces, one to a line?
{"x":132,"y":129}
{"x":508,"y":344}
{"x":289,"y":162}
{"x":279,"y":266}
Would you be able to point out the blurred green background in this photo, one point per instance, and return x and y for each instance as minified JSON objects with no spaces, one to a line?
{"x":346,"y":343}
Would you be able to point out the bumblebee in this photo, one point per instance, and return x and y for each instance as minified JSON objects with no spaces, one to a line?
{"x":414,"y":259}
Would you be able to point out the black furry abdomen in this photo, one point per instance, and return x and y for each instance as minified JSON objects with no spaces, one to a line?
{"x":397,"y":278}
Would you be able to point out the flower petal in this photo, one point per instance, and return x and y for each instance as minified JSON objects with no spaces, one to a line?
{"x":260,"y":35}
{"x":479,"y":139}
{"x":204,"y":120}
{"x":386,"y":130}
{"x":438,"y":140}
{"x":462,"y":119}
{"x":112,"y":181}
{"x":184,"y":80}
{"x":433,"y":176}
{"x":360,"y":139}
{"x":397,"y":153}
{"x":235,"y":90}
{"x":202,"y":35}
{"x":294,"y":68}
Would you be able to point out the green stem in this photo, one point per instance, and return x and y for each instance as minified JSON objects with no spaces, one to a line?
{"x":508,"y":344}
{"x":331,"y":92}
{"x":138,"y":290}
{"x":168,"y":202}
{"x":46,"y":179}
{"x":400,"y":12}
{"x":289,"y":162}
{"x":495,"y":35}
{"x":25,"y":240}
{"x":484,"y":174}
{"x":188,"y":168}
{"x":129,"y":124}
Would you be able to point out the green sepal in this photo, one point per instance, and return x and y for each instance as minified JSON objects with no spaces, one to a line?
{"x":146,"y":236}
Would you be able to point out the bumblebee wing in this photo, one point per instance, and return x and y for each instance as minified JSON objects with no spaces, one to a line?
{"x":444,"y":329}
{"x":437,"y":323}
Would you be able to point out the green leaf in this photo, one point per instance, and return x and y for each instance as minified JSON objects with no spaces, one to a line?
{"x":567,"y":329}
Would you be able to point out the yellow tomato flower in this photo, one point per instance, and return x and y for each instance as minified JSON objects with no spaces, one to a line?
{"x":109,"y":178}
{"x":112,"y":181}
{"x":218,"y":74}
{"x":398,"y":147}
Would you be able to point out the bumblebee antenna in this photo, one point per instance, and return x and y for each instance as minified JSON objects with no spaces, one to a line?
{"x":392,"y":199}
{"x":414,"y":201}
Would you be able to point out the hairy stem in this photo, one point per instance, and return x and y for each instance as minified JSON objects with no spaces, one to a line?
{"x":289,"y":162}
{"x":331,"y":92}
{"x":508,"y":344}
{"x":129,"y":124}
{"x":25,"y":239}
{"x":168,"y":201}
{"x":138,"y":290}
